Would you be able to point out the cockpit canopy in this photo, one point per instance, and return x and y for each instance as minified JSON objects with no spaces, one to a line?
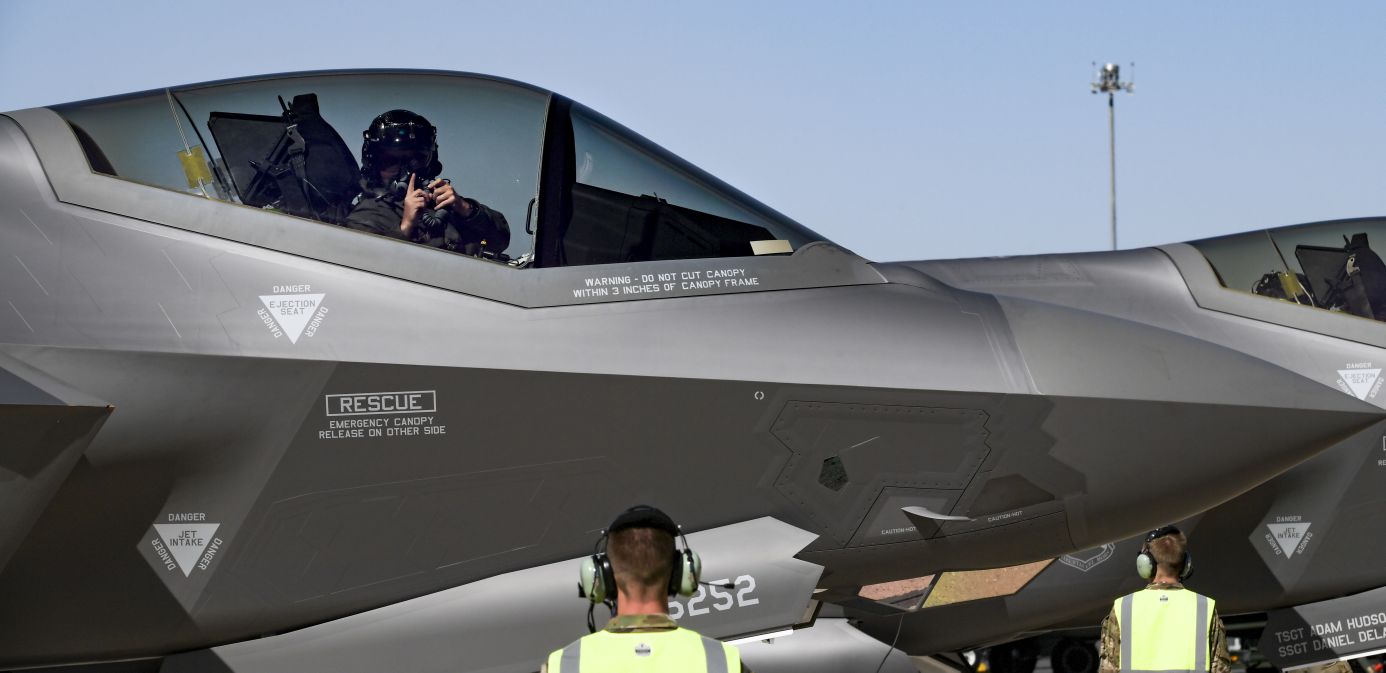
{"x":1332,"y":266}
{"x":575,"y":187}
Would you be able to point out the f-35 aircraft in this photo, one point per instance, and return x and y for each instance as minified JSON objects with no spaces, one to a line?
{"x":241,"y":436}
{"x":1314,"y":533}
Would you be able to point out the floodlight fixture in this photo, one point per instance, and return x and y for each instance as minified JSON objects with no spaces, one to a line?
{"x":1109,"y":82}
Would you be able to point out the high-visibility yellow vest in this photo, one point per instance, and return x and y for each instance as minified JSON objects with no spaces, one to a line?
{"x":1164,"y":631}
{"x":672,"y":651}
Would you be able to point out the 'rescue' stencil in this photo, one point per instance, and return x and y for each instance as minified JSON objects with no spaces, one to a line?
{"x":295,"y":313}
{"x":1360,"y":380}
{"x":408,"y":413}
{"x":1087,"y":560}
{"x":1290,"y":537}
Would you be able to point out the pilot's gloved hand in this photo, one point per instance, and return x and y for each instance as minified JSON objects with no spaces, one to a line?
{"x":415,"y":200}
{"x":444,"y":196}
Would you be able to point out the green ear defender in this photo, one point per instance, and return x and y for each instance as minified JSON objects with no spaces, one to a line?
{"x":1145,"y":563}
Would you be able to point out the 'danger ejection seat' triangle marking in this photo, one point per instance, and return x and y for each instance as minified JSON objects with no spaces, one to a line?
{"x":1359,"y":381}
{"x":1288,"y":535}
{"x":186,"y":541}
{"x":292,"y":311}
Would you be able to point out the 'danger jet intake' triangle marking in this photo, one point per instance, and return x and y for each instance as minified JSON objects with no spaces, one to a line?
{"x":1288,"y":535}
{"x":292,"y":311}
{"x":186,"y":541}
{"x":1360,"y":381}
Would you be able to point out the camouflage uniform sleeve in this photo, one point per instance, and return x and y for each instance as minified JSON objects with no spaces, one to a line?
{"x":1110,"y":661}
{"x":1217,"y":644}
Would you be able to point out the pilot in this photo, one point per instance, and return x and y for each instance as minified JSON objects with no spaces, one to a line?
{"x":644,"y":569}
{"x":1164,"y":627}
{"x":402,"y":196}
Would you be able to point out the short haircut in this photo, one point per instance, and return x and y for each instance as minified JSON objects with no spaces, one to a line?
{"x":1168,"y":551}
{"x":641,"y":558}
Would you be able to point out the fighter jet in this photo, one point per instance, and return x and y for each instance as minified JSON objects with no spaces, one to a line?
{"x":1310,"y":535}
{"x":254,"y":437}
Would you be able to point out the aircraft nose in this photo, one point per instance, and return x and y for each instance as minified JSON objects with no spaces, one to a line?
{"x":1162,"y":425}
{"x":1123,"y":427}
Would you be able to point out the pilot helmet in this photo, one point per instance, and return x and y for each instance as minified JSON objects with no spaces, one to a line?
{"x":405,"y":132}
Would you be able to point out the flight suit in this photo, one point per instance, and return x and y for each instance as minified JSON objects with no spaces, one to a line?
{"x":1160,"y":638}
{"x":652,"y":643}
{"x":382,"y":214}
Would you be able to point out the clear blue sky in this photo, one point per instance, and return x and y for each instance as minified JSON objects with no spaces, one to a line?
{"x":901,"y":130}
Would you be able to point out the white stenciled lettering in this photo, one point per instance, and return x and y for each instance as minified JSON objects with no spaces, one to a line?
{"x":355,"y":404}
{"x":356,"y":423}
{"x":1330,"y":627}
{"x":354,"y":433}
{"x":163,"y":555}
{"x":207,"y":555}
{"x":382,"y":403}
{"x":291,"y":289}
{"x":1340,"y":640}
{"x":188,"y":538}
{"x":1362,"y":622}
{"x":725,"y":595}
{"x":607,"y":280}
{"x":269,"y":322}
{"x":392,"y":414}
{"x":316,"y":322}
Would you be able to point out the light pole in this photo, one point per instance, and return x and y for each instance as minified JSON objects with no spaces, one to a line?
{"x":1109,"y":82}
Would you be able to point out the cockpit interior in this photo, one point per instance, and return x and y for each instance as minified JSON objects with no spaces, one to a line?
{"x":575,"y":187}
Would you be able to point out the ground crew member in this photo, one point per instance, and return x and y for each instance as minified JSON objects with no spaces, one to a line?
{"x":641,"y":566}
{"x":1164,"y":627}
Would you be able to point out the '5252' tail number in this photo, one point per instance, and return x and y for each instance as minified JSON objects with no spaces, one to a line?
{"x":722,"y":598}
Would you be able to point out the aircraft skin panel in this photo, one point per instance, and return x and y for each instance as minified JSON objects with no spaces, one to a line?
{"x":1108,"y":283}
{"x":315,"y":518}
{"x":45,"y":426}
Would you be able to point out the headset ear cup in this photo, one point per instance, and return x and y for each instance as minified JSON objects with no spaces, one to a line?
{"x":1145,"y":565}
{"x":692,"y":572}
{"x":1187,"y":571}
{"x":590,"y":581}
{"x":608,"y":578}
